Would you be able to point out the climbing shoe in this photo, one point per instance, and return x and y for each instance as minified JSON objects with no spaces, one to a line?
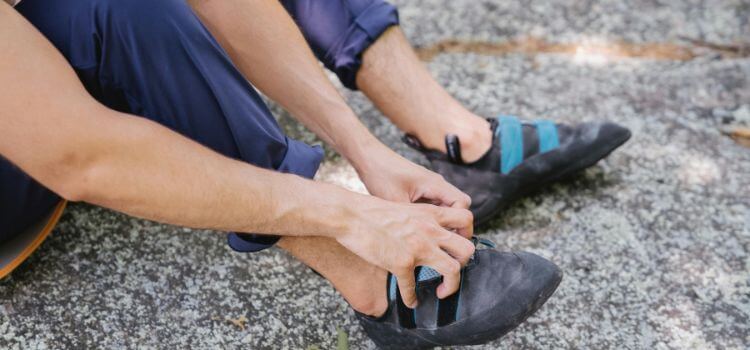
{"x":498,"y":291}
{"x":524,"y":156}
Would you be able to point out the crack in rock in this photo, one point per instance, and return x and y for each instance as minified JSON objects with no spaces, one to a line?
{"x":619,"y":49}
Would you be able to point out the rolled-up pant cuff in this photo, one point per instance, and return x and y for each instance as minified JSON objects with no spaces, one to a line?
{"x":339,"y":31}
{"x":300,"y":159}
{"x":346,"y":55}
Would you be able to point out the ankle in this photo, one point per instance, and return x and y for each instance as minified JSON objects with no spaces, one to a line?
{"x":362,"y":284}
{"x":473,"y":132}
{"x":369,"y":298}
{"x":475,"y":140}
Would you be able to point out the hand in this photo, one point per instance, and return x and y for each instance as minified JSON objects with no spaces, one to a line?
{"x":389,"y":176}
{"x":398,"y":237}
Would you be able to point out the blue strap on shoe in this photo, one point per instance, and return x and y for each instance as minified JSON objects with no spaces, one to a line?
{"x":448,"y":309}
{"x":426,"y":273}
{"x":511,"y":142}
{"x":392,"y":288}
{"x":423,"y":273}
{"x":547,"y":132}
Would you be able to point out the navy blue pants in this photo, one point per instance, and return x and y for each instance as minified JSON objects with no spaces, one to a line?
{"x":155,"y":59}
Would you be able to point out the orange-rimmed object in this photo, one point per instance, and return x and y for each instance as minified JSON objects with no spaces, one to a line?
{"x":16,"y":250}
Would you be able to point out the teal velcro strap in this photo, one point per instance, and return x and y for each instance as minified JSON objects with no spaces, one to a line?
{"x":423,"y":273}
{"x":548,"y":139}
{"x":426,"y":273}
{"x":511,"y":142}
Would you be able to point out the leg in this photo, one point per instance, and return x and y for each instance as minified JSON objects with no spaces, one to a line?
{"x":400,"y":85}
{"x":182,"y":78}
{"x":360,"y":42}
{"x":155,"y":59}
{"x":355,"y":279}
{"x":338,"y":31}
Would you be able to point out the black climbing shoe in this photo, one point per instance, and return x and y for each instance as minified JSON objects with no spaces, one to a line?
{"x":523,"y":157}
{"x":498,"y":292}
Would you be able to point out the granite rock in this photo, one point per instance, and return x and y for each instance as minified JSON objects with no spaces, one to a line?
{"x":654,"y":241}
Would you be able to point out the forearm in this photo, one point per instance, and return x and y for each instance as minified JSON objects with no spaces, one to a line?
{"x":146,"y":170}
{"x":55,"y":132}
{"x":269,"y":49}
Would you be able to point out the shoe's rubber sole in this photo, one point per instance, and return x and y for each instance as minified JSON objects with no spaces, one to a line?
{"x":582,"y":163}
{"x":398,"y":338}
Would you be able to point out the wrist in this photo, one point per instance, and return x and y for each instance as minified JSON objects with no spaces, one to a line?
{"x":368,"y":155}
{"x":354,"y":215}
{"x":341,"y":214}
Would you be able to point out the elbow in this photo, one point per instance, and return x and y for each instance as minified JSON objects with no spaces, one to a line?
{"x":75,"y":180}
{"x":71,"y":191}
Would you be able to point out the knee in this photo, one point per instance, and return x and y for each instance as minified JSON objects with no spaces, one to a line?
{"x":321,"y":22}
{"x":151,"y":18}
{"x":143,"y":9}
{"x":340,"y":31}
{"x":325,"y":23}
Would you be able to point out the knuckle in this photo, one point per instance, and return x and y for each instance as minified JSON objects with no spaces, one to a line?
{"x":468,"y":217}
{"x":405,"y":265}
{"x":415,"y":251}
{"x":470,"y":248}
{"x":441,"y":234}
{"x":414,"y":244}
{"x":453,"y":267}
{"x":427,"y":226}
{"x":418,"y":224}
{"x":434,"y":211}
{"x":423,"y":250}
{"x":451,"y":284}
{"x":465,"y":259}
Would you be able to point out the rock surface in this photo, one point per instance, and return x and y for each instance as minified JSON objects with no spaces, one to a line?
{"x":654,"y":241}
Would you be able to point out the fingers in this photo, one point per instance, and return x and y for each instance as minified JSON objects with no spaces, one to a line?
{"x":460,"y":220}
{"x":446,"y":253}
{"x":463,"y":201}
{"x":459,"y":248}
{"x":441,"y":262}
{"x":407,"y":287}
{"x":445,"y":194}
{"x":449,"y":268}
{"x":452,"y":196}
{"x":446,"y":265}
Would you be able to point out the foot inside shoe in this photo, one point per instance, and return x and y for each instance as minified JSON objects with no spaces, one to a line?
{"x":523,"y":157}
{"x":498,"y":291}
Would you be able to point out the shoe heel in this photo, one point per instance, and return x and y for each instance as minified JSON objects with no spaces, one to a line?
{"x":390,"y":337}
